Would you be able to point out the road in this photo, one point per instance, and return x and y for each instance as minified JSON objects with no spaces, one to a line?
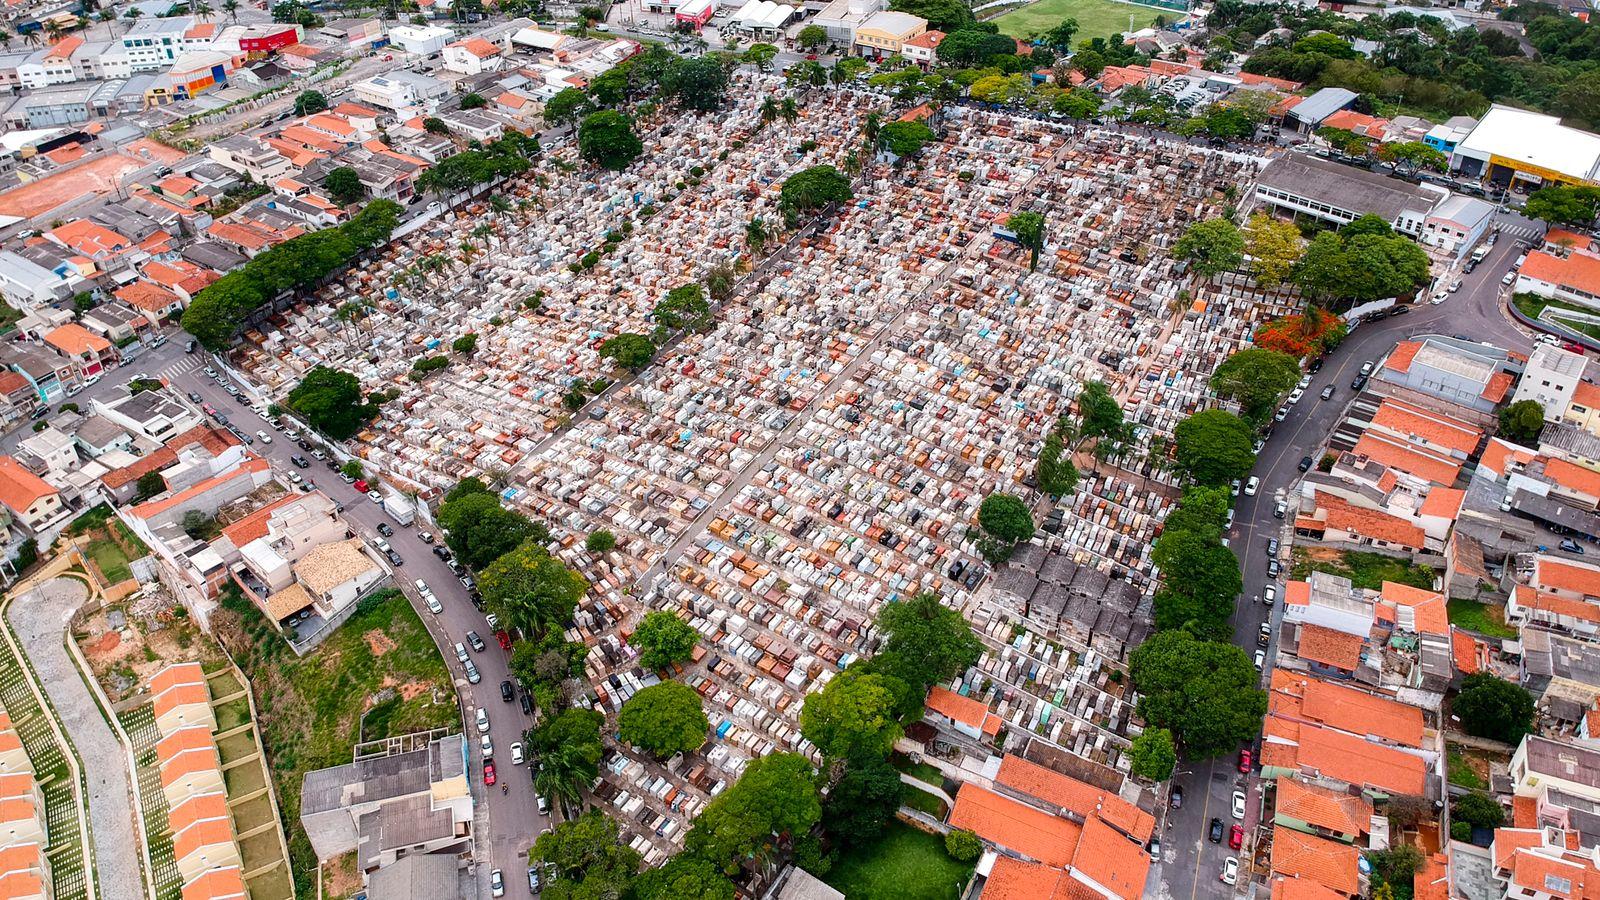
{"x":508,"y":820}
{"x":1476,"y":311}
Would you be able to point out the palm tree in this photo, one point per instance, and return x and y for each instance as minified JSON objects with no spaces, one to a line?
{"x":482,"y":232}
{"x":133,"y":14}
{"x":201,"y":10}
{"x":755,"y":234}
{"x":499,"y":204}
{"x":5,"y":38}
{"x":32,"y":38}
{"x":562,"y":773}
{"x":788,"y":112}
{"x":52,"y":31}
{"x":769,"y":111}
{"x":231,"y":7}
{"x":108,"y":17}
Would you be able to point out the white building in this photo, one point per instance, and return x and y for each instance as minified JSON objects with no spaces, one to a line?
{"x":472,"y":56}
{"x":405,"y":93}
{"x":1550,"y":379}
{"x":420,"y":39}
{"x":154,"y":44}
{"x":1455,"y":225}
{"x":1515,"y":146}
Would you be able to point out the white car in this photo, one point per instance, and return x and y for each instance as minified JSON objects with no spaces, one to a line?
{"x":1439,"y":298}
{"x":1261,"y":659}
{"x":461,"y":651}
{"x":263,"y":437}
{"x":516,"y":753}
{"x":497,"y":883}
{"x":1269,"y":594}
{"x":1305,"y":382}
{"x":482,"y":719}
{"x":374,"y":496}
{"x":1230,"y":870}
{"x":1366,"y":367}
{"x":291,"y":434}
{"x":1251,"y":486}
{"x":487,"y":747}
{"x":1283,"y":413}
{"x":1238,"y":796}
{"x":1295,"y":395}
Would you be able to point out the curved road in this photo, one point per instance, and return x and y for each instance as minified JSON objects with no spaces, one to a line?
{"x":40,"y":619}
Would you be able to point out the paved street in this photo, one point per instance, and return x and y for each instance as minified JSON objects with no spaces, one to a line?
{"x":1190,"y":861}
{"x":513,"y":819}
{"x":39,"y":619}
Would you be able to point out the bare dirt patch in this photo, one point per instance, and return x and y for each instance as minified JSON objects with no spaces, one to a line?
{"x":378,"y":642}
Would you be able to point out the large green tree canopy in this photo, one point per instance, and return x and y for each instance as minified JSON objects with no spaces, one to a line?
{"x":1204,"y":692}
{"x":330,"y":401}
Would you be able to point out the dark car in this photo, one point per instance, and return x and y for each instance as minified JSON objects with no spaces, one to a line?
{"x":1305,"y":464}
{"x":1358,"y":382}
{"x":1315,"y":365}
{"x":385,"y":530}
{"x":1572,"y":546}
{"x":190,"y":347}
{"x":395,"y":558}
{"x":442,"y":552}
{"x":195,"y":398}
{"x":507,"y":693}
{"x":476,"y":642}
{"x":527,"y":706}
{"x":299,"y":461}
{"x":1400,"y":310}
{"x":1175,"y":799}
{"x":303,"y":444}
{"x":1216,"y":831}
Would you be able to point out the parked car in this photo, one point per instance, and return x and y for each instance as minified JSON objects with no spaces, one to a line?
{"x":473,"y":675}
{"x":263,"y":437}
{"x":481,"y":717}
{"x":1251,"y":486}
{"x":1357,"y":383}
{"x":1295,"y":395}
{"x":486,"y":746}
{"x":1216,"y":831}
{"x":1305,"y":464}
{"x":1236,"y":837}
{"x":516,"y":753}
{"x":385,"y":530}
{"x":1230,"y":871}
{"x":1272,"y":546}
{"x":1175,"y":799}
{"x":300,"y":461}
{"x":1245,"y":759}
{"x":461,"y":651}
{"x":1269,"y":594}
{"x":1263,"y":636}
{"x":1238,"y":804}
{"x":475,"y":642}
{"x":1572,"y":546}
{"x":1261,"y":660}
{"x":1279,"y":510}
{"x":1273,"y":567}
{"x":507,"y":692}
{"x":395,"y":558}
{"x":425,"y":536}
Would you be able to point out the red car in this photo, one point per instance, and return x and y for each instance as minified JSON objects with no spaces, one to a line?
{"x":488,"y":776}
{"x":1244,"y":761}
{"x":361,"y":486}
{"x":208,"y":409}
{"x":504,"y":639}
{"x":1236,"y":837}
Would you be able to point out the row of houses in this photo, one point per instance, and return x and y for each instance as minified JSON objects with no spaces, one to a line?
{"x":24,"y":826}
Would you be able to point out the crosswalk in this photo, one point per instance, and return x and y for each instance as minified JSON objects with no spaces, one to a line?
{"x":1525,"y":232}
{"x":186,"y":364}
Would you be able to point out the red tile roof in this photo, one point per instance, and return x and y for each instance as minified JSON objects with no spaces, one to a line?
{"x":1558,"y":575}
{"x":1343,"y":515}
{"x":1109,"y":859}
{"x":73,"y":339}
{"x":1443,"y":502}
{"x":1578,"y":270}
{"x":1015,"y":825}
{"x":963,"y":709}
{"x":148,"y":297}
{"x":1318,"y":806}
{"x":1071,"y":794}
{"x":1400,"y":358}
{"x":1499,"y":385}
{"x":1431,"y":426}
{"x":20,"y":488}
{"x":1329,"y":647}
{"x":1329,"y":863}
{"x":1346,"y":708}
{"x":1429,"y":612}
{"x":1285,"y":888}
{"x":1412,"y":459}
{"x":216,"y":884}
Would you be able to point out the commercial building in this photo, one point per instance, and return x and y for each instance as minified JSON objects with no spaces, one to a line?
{"x":1456,"y":225}
{"x":1524,"y":150}
{"x":1465,"y":373}
{"x":420,"y":39}
{"x":1550,"y":379}
{"x":1339,"y":194}
{"x":883,"y":34}
{"x":154,"y":44}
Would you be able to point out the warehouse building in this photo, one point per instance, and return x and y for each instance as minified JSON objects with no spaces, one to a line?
{"x":1524,"y":150}
{"x":1340,"y":194}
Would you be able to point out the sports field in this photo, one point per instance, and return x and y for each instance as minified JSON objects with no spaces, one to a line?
{"x":1096,"y":18}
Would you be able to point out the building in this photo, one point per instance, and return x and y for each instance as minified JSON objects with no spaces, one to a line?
{"x":1516,"y":148}
{"x":924,"y":48}
{"x":1308,"y":114}
{"x":189,"y":764}
{"x":423,"y":40}
{"x":154,"y":44}
{"x":1338,"y":194}
{"x":1464,"y":373}
{"x":1573,"y":277}
{"x":151,"y":414}
{"x":31,"y":500}
{"x":1317,"y":810}
{"x":1444,"y":138}
{"x":1456,"y":225}
{"x":962,"y":715}
{"x":181,"y":698}
{"x":883,"y":34}
{"x":472,"y":56}
{"x":762,"y":18}
{"x":408,"y":802}
{"x":401,"y":92}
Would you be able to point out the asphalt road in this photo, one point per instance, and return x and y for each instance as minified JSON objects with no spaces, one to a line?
{"x":1190,"y":861}
{"x":508,"y":818}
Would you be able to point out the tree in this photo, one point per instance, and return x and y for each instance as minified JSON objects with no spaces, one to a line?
{"x":1493,"y":708}
{"x":1256,"y":378}
{"x":1059,"y":38}
{"x":473,"y":101}
{"x":776,"y":796}
{"x":466,"y":486}
{"x":479,"y":530}
{"x":1273,"y":247}
{"x":962,"y":845}
{"x":904,"y":138}
{"x":696,"y":82}
{"x":1397,"y":865}
{"x":685,"y":306}
{"x":663,"y":640}
{"x":1204,"y":692}
{"x":530,"y":589}
{"x":606,"y":138}
{"x":1569,"y":205}
{"x":1479,"y":810}
{"x":1202,"y":510}
{"x":969,"y":47}
{"x":664,"y":719}
{"x":353,"y":469}
{"x":760,"y":56}
{"x":1153,"y":754}
{"x":863,"y":801}
{"x":1360,"y":268}
{"x":1029,"y":229}
{"x":630,"y":351}
{"x":684,"y":877}
{"x":1522,"y":421}
{"x":815,"y":188}
{"x":601,"y":541}
{"x":811,"y":37}
{"x":566,"y":107}
{"x":344,"y":186}
{"x":853,"y":716}
{"x":564,"y":751}
{"x":942,"y":15}
{"x":330,"y":401}
{"x":1214,"y":447}
{"x":1055,"y":472}
{"x":466,"y":344}
{"x":148,"y":485}
{"x":309,"y":102}
{"x":543,"y":666}
{"x":589,"y":858}
{"x":1326,"y":44}
{"x":1006,"y":521}
{"x":1199,"y":565}
{"x":925,"y":643}
{"x":1214,"y":246}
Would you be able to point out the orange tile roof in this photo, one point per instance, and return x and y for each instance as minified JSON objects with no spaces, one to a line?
{"x":1431,"y":881}
{"x":1430,"y":425}
{"x":214,"y":440}
{"x":16,"y":786}
{"x":216,"y":884}
{"x":198,"y":808}
{"x":1015,"y":825}
{"x":1524,"y":811}
{"x":146,"y":296}
{"x":1358,"y":761}
{"x":179,"y":696}
{"x":478,"y":47}
{"x":1329,"y":647}
{"x":1464,"y":651}
{"x":1297,"y":593}
{"x":1508,"y":840}
{"x":20,"y":488}
{"x":1573,"y":477}
{"x":155,"y":461}
{"x":332,"y":124}
{"x":1443,"y":502}
{"x":1109,"y":859}
{"x":21,"y":868}
{"x":1282,"y":84}
{"x":1329,"y":863}
{"x":176,"y":674}
{"x":1318,"y":806}
{"x":1346,"y":708}
{"x":1071,"y":794}
{"x":1349,"y":120}
{"x":11,"y":383}
{"x":929,"y":39}
{"x":90,"y":238}
{"x":1553,"y":574}
{"x":1498,"y":386}
{"x":963,"y":709}
{"x":180,"y":274}
{"x":201,"y":835}
{"x":1553,"y":603}
{"x":1012,"y":879}
{"x":185,"y":740}
{"x":1346,"y":516}
{"x":1409,"y":458}
{"x":1540,"y":874}
{"x":1285,"y":888}
{"x":74,"y":339}
{"x":1498,"y":455}
{"x":256,"y":524}
{"x":347,"y":108}
{"x":1428,"y":609}
{"x":1400,"y":358}
{"x":1578,"y":270}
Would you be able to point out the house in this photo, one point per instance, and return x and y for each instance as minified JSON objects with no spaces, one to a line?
{"x":32,"y":501}
{"x":24,"y":872}
{"x":472,"y":56}
{"x":26,"y":285}
{"x":962,"y":715}
{"x":90,"y":353}
{"x":1329,"y":601}
{"x":116,"y":322}
{"x":924,"y":48}
{"x":1455,"y":226}
{"x":334,"y":575}
{"x":22,"y":811}
{"x":423,"y":40}
{"x":401,"y":803}
{"x":153,"y":44}
{"x":1329,"y":863}
{"x":226,"y":883}
{"x":1336,"y":520}
{"x":13,"y":756}
{"x":1551,"y":379}
{"x":181,"y":698}
{"x":1574,"y":277}
{"x":152,"y":414}
{"x":157,"y":303}
{"x":1322,"y":812}
{"x":202,"y":835}
{"x":1308,"y":115}
{"x":1541,"y":864}
{"x":189,"y":764}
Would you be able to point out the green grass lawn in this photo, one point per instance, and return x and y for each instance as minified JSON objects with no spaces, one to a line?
{"x":1461,"y":773}
{"x":1365,"y":570}
{"x":920,"y":771}
{"x":311,"y":708}
{"x":110,"y":560}
{"x":905,"y":865}
{"x":924,"y":802}
{"x":1096,"y":18}
{"x":1481,"y":617}
{"x":1531,"y":305}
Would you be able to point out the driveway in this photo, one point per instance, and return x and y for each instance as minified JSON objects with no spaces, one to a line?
{"x":40,"y":619}
{"x":1475,"y":312}
{"x":508,"y":818}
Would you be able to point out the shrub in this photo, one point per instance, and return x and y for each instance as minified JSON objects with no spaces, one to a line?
{"x":963,"y":845}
